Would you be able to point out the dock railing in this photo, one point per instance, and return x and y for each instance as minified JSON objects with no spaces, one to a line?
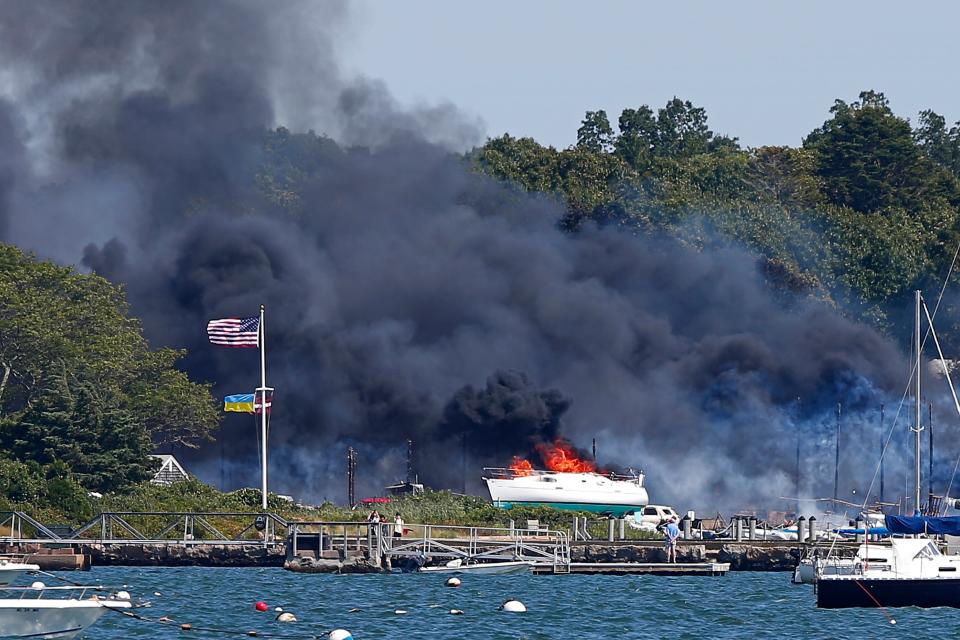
{"x":151,"y":527}
{"x":542,"y":546}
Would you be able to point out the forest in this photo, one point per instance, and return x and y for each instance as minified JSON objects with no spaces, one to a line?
{"x":860,"y":214}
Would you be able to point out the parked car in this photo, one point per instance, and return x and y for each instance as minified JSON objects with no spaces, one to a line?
{"x":654,"y":515}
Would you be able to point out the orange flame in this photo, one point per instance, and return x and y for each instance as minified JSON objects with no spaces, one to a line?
{"x":561,"y":456}
{"x":521,"y":467}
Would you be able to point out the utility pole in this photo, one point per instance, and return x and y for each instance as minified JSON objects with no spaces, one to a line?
{"x":351,"y":476}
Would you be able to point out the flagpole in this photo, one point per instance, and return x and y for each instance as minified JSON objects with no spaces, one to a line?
{"x":263,"y":411}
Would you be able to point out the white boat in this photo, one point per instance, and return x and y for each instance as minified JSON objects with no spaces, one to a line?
{"x":53,"y":613}
{"x":482,"y":568}
{"x":10,"y":570}
{"x":608,"y":494}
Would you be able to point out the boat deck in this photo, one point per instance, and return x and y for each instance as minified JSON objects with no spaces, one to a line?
{"x":649,"y":568}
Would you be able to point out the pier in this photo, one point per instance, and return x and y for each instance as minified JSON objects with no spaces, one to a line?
{"x":220,"y":539}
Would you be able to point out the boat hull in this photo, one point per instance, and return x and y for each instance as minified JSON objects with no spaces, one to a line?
{"x":10,"y":572}
{"x":570,"y":491}
{"x":849,"y":592}
{"x":50,"y":619}
{"x":617,"y":510}
{"x":486,"y":568}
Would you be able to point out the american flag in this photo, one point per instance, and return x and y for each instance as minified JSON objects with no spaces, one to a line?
{"x":235,"y":332}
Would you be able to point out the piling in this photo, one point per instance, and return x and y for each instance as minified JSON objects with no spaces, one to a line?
{"x":858,"y":524}
{"x":751,"y":527}
{"x":610,"y":523}
{"x":623,"y":529}
{"x":738,"y":528}
{"x":812,"y":524}
{"x":687,"y":527}
{"x":801,"y":530}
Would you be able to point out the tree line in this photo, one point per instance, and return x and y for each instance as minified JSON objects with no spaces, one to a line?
{"x":861,"y":213}
{"x":83,"y":398}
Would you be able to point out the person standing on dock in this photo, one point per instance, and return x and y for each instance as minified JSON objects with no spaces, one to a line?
{"x":397,"y":526}
{"x":673,"y":534}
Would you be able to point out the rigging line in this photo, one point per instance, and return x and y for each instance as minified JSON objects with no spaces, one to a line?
{"x":913,"y":371}
{"x":886,"y":444}
{"x":953,"y":391}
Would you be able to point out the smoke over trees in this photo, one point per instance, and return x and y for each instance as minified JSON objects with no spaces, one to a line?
{"x":408,"y":295}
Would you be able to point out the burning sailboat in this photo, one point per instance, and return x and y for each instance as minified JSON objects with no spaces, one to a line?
{"x":568,"y":482}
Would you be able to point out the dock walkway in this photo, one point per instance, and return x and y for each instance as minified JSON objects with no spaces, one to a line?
{"x":648,"y":568}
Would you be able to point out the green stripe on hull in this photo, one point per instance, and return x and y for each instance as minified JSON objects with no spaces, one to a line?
{"x":614,"y":509}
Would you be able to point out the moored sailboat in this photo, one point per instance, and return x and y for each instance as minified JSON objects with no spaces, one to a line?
{"x":913,"y":571}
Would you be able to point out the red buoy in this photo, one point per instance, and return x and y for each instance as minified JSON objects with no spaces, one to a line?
{"x":261,"y":606}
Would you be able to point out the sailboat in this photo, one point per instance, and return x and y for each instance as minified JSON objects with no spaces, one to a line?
{"x":911,"y":571}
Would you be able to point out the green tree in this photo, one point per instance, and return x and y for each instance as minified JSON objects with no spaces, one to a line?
{"x":941,"y":145}
{"x":79,"y":383}
{"x":869,"y":160}
{"x":595,"y":133}
{"x":638,"y":137}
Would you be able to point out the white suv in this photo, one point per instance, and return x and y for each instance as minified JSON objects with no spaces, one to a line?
{"x":653,"y":515}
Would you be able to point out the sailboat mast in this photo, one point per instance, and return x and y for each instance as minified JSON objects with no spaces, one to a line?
{"x":918,"y":426}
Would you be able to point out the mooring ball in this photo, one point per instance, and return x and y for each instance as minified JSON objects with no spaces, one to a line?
{"x":400,"y":612}
{"x":186,"y":626}
{"x":37,"y":585}
{"x":453,"y":582}
{"x":121,"y":595}
{"x":456,"y":612}
{"x":286,"y":616}
{"x":278,"y":609}
{"x":339,"y":634}
{"x":261,"y":606}
{"x":513,"y":606}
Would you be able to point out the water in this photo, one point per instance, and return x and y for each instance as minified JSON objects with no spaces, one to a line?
{"x":737,"y":605}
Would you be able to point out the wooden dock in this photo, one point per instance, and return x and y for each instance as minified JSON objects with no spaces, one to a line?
{"x":648,"y":568}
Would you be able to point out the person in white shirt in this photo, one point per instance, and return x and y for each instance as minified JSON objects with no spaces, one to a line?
{"x":397,"y":526}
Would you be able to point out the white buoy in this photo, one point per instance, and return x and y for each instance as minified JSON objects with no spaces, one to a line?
{"x":513,"y":606}
{"x":339,"y":634}
{"x":456,"y":612}
{"x":286,"y":616}
{"x":38,"y":585}
{"x":121,"y":595}
{"x":278,"y":609}
{"x":453,"y":582}
{"x":400,"y":612}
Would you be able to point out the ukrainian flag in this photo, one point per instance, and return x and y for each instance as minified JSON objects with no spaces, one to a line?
{"x":242,"y":402}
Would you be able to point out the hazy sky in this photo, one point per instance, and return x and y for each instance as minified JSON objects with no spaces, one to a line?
{"x":767,"y":72}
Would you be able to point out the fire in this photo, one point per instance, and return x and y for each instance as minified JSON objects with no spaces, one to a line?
{"x":561,"y":456}
{"x":521,"y":467}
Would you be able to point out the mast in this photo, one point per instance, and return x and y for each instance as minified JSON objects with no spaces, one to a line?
{"x":918,"y":406}
{"x":263,"y":411}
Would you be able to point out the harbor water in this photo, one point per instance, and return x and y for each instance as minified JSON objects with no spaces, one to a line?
{"x":736,"y":605}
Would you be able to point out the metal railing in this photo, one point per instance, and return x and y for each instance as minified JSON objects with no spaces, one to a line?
{"x":146,"y":527}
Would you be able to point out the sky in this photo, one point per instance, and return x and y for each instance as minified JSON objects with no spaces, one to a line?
{"x":766,"y":72}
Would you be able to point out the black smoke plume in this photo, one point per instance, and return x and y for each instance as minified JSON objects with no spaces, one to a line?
{"x":406,"y":296}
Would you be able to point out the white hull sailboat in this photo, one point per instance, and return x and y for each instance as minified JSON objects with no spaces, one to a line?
{"x":607,"y":494}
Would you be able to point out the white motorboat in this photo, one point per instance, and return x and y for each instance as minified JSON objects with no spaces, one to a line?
{"x":608,"y":494}
{"x":10,"y":570}
{"x":482,"y":568}
{"x":53,"y":613}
